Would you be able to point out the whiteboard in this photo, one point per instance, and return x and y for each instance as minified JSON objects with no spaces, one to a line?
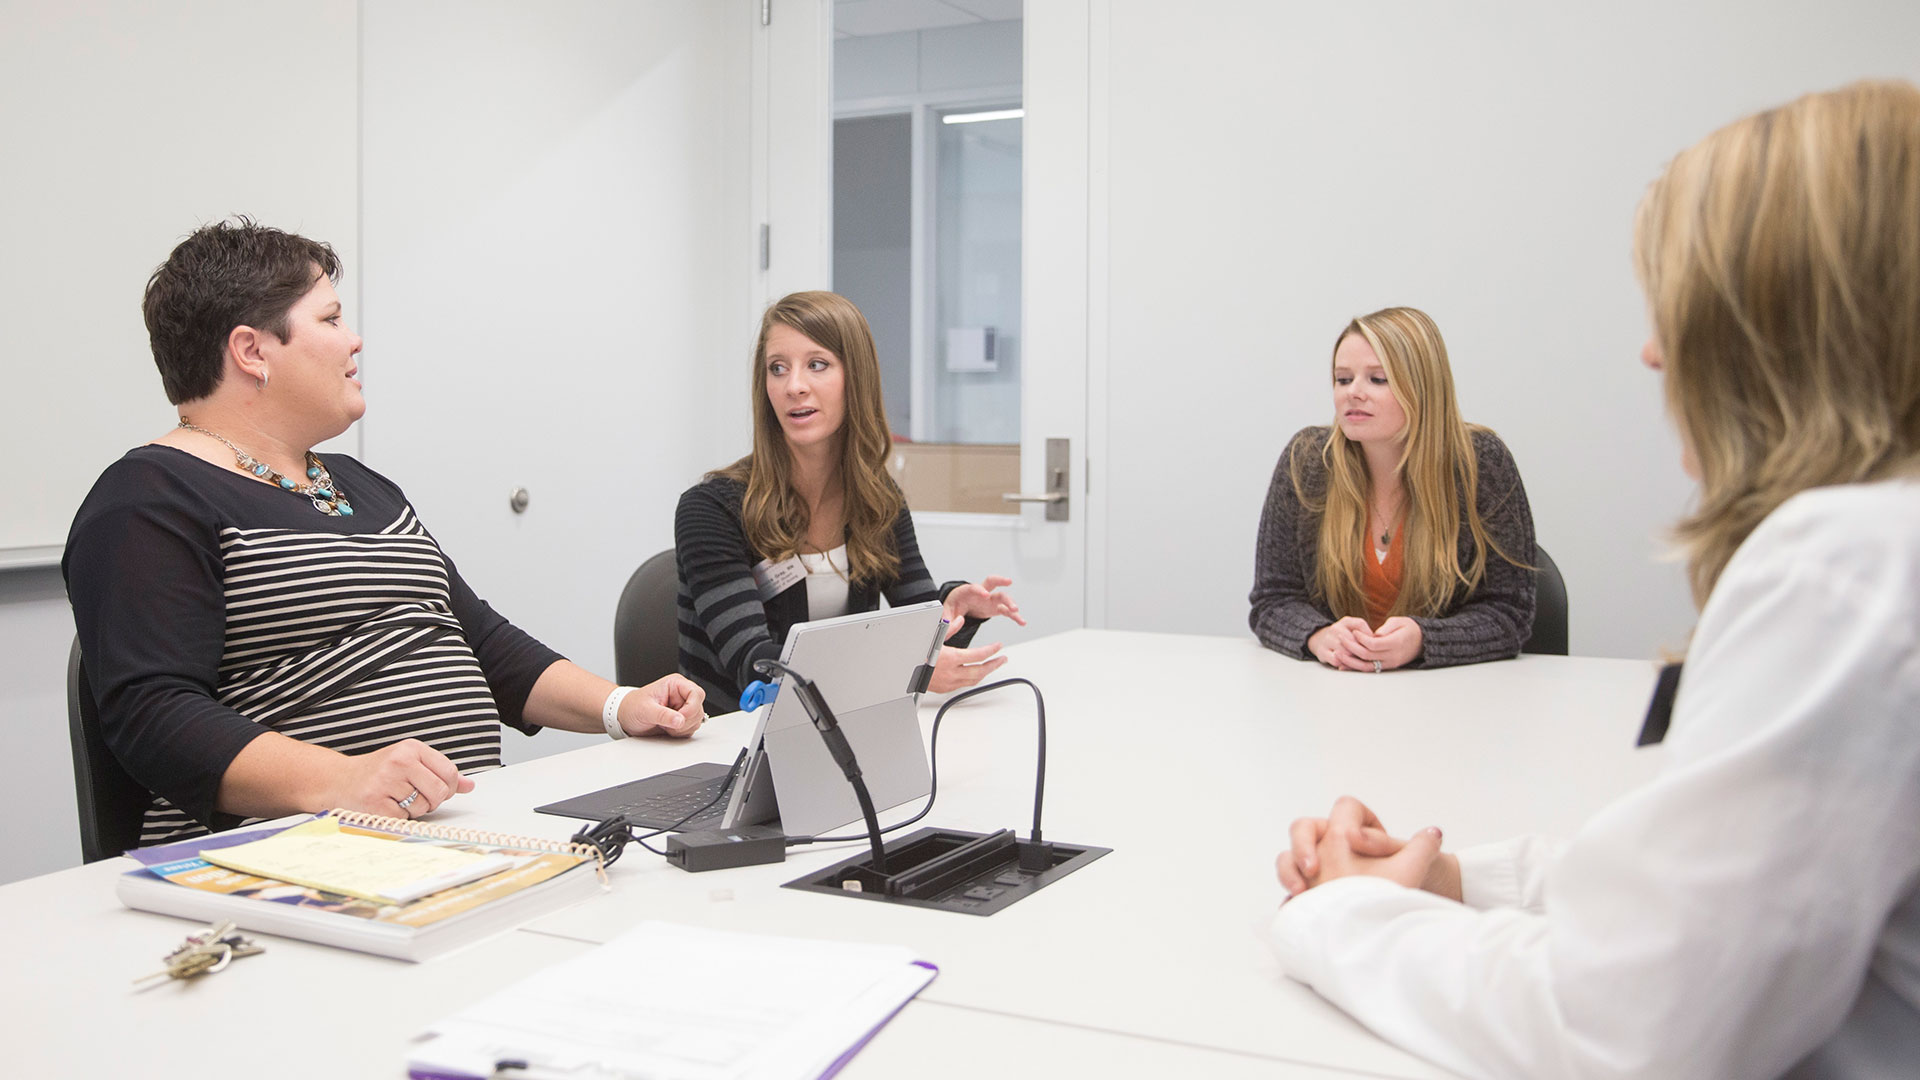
{"x":124,"y":125}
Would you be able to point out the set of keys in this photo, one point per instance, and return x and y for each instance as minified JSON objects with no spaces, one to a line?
{"x":203,"y":953}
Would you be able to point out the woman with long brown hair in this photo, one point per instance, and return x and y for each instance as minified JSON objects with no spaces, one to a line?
{"x":1754,"y":911}
{"x":1399,"y":536}
{"x":809,"y":525}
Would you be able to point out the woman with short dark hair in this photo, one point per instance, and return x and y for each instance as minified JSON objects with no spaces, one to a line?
{"x":267,"y":631}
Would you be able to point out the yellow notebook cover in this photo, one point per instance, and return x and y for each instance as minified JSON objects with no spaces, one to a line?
{"x":321,"y":855}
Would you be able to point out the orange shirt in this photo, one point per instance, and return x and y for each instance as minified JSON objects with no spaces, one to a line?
{"x":1382,"y":581}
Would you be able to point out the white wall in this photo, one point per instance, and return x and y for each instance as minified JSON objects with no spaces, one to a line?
{"x":126,"y":125}
{"x":1274,"y":169}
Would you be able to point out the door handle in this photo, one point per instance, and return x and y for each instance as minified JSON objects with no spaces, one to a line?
{"x":1056,"y":498}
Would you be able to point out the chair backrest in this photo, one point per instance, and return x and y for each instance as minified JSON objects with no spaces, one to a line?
{"x":111,"y":803}
{"x":1549,"y":607}
{"x":646,"y":624}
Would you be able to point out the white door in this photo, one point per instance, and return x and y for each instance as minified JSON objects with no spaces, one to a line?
{"x":551,"y":238}
{"x":1045,"y":555}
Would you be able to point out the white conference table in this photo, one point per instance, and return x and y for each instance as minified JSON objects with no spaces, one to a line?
{"x":1186,"y":755}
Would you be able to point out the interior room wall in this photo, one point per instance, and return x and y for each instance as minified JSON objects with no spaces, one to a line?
{"x":1273,"y":170}
{"x":126,"y":126}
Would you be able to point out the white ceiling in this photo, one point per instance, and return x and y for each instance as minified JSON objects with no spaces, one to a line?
{"x":865,"y":18}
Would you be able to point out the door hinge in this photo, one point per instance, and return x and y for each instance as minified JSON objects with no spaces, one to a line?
{"x":766,"y":247}
{"x":766,"y":12}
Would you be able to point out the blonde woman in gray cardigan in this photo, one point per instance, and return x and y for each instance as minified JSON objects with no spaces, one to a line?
{"x":1399,"y":536}
{"x":1753,"y":910}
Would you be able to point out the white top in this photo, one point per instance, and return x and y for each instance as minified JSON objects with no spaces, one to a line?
{"x":826,"y":583}
{"x":1753,"y":911}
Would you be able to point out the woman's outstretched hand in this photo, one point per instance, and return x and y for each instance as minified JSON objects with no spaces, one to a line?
{"x":983,"y":601}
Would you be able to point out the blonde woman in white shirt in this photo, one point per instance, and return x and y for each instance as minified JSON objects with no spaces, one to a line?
{"x":1755,"y":911}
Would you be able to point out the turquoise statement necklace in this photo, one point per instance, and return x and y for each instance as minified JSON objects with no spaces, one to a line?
{"x":320,"y":488}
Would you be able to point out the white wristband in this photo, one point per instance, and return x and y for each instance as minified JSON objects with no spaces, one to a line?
{"x":610,"y":712}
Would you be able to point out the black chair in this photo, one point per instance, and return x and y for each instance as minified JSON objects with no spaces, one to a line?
{"x":1549,"y":636}
{"x":111,"y":802}
{"x":646,"y":624}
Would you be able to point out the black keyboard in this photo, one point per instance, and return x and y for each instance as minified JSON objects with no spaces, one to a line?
{"x":655,"y":802}
{"x":668,"y":807}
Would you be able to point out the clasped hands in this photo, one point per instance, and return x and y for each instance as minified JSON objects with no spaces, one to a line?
{"x":1351,"y":840}
{"x":1352,"y":645}
{"x":957,"y":669}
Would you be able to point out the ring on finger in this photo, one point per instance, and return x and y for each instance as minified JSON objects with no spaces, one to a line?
{"x":1376,"y":667}
{"x":407,"y":803}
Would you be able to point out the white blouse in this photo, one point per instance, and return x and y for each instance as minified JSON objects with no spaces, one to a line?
{"x":826,"y":582}
{"x":1753,"y":912}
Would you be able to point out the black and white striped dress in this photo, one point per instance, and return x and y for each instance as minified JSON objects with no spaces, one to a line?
{"x":212,"y":607}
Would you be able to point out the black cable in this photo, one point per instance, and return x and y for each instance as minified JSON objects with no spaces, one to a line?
{"x":609,"y":837}
{"x":933,"y":763}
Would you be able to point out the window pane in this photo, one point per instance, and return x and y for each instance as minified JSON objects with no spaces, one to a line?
{"x":926,"y":236}
{"x":873,"y":243}
{"x":976,"y":381}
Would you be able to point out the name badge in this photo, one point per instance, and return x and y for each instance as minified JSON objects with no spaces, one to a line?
{"x":774,"y":578}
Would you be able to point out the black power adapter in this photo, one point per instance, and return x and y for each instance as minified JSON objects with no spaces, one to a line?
{"x":718,"y":849}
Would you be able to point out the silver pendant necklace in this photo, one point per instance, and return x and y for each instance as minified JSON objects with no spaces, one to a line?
{"x":1386,"y":530}
{"x":319,"y":488}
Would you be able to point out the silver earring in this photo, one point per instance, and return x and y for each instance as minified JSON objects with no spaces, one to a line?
{"x":263,"y":378}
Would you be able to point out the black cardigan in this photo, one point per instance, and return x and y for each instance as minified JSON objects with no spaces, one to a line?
{"x":724,"y":625}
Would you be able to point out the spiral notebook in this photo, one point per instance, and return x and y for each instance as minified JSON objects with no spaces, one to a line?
{"x":526,"y":878}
